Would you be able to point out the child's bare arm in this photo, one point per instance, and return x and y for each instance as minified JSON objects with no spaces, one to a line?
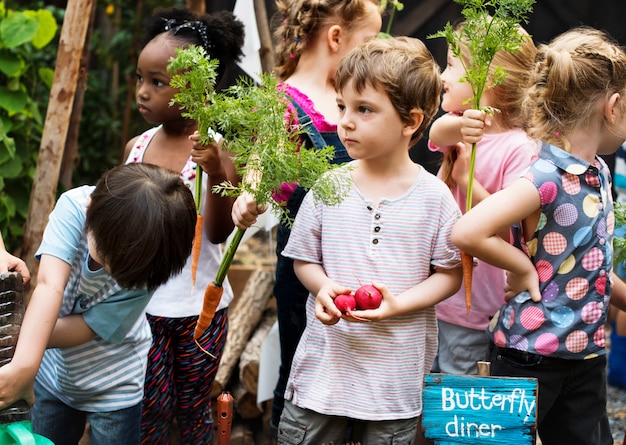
{"x":478,"y":233}
{"x":70,"y":331}
{"x":17,"y":377}
{"x":445,"y":131}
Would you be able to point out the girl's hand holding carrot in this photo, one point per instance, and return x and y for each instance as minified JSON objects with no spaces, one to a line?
{"x":208,"y":156}
{"x":473,"y":123}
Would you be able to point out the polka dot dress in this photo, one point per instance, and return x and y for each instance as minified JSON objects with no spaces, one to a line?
{"x":571,"y":250}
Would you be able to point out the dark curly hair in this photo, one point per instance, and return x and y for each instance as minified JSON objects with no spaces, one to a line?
{"x":220,"y":33}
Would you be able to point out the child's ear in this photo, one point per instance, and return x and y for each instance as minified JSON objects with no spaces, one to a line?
{"x":613,"y":108}
{"x":416,"y":117}
{"x":333,"y":37}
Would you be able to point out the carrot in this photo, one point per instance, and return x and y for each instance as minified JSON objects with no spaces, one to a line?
{"x":467,"y":262}
{"x":195,"y":250}
{"x":212,"y":297}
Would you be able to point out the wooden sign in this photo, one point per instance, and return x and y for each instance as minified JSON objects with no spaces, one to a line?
{"x":487,"y":410}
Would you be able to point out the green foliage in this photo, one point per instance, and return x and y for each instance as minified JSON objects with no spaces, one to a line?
{"x":252,"y":121}
{"x":26,"y":74}
{"x":396,"y":5}
{"x":490,"y":26}
{"x":619,"y":243}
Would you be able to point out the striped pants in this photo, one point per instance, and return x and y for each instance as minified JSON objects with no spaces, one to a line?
{"x":179,"y":380}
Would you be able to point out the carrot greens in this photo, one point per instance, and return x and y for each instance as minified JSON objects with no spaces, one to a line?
{"x":266,"y":151}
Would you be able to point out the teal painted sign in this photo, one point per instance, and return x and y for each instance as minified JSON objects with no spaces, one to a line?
{"x":487,"y":410}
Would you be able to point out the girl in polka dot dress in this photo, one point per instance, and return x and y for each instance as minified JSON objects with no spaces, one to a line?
{"x":558,"y":285}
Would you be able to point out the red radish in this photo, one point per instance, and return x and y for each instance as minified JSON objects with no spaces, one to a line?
{"x":367,"y":297}
{"x":345,"y":303}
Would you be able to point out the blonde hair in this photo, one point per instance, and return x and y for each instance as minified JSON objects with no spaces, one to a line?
{"x":403,"y":68}
{"x":508,"y":96}
{"x":298,"y":22}
{"x":575,"y":71}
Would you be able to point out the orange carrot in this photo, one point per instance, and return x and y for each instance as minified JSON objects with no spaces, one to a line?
{"x":195,"y":250}
{"x":212,"y":297}
{"x":467,"y":261}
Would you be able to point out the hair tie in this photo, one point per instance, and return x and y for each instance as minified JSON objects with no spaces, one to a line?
{"x":557,"y":134}
{"x":297,"y":39}
{"x":197,"y":26}
{"x":292,"y":56}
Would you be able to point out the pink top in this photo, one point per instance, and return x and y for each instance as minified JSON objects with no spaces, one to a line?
{"x":501,"y":158}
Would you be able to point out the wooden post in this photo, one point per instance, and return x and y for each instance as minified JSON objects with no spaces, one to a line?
{"x":71,"y":142}
{"x":266,"y":53}
{"x":55,"y":130}
{"x":197,"y":6}
{"x":484,"y":368}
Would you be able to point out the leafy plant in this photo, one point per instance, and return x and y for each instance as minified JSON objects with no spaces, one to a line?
{"x":490,"y":26}
{"x":25,"y":80}
{"x":252,"y":120}
{"x":396,"y":5}
{"x":619,"y":243}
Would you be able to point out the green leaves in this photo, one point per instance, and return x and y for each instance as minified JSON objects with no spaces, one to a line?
{"x":619,"y":243}
{"x":252,"y":119}
{"x":490,"y":26}
{"x":26,"y":61}
{"x":396,"y":5}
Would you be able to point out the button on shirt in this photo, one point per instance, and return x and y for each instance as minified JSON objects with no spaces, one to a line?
{"x":571,"y":250}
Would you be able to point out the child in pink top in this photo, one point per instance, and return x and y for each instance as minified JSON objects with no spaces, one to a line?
{"x":503,"y":151}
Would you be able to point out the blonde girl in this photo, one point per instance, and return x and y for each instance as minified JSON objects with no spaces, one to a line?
{"x":559,"y":283}
{"x":503,"y":151}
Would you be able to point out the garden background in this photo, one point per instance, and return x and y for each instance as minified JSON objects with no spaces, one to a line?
{"x":103,"y":113}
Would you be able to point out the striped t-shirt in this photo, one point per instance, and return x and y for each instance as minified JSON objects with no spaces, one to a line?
{"x":371,"y":371}
{"x":107,"y":373}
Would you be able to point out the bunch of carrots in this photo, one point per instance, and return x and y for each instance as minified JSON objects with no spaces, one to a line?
{"x":483,"y":34}
{"x":266,"y":153}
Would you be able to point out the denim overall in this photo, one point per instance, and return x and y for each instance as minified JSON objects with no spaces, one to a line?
{"x":290,"y":294}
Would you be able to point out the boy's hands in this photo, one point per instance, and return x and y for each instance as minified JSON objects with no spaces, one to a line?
{"x":325,"y":309}
{"x":246,"y":211}
{"x":327,"y":312}
{"x":15,"y":385}
{"x":9,"y":262}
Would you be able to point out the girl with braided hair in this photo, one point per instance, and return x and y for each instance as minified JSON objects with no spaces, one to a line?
{"x":179,"y":377}
{"x":560,"y":281}
{"x":311,"y":38}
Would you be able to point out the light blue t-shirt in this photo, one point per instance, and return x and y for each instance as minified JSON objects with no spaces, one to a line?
{"x":107,"y":373}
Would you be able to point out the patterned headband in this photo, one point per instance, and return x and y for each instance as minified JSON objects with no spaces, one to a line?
{"x":199,"y":27}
